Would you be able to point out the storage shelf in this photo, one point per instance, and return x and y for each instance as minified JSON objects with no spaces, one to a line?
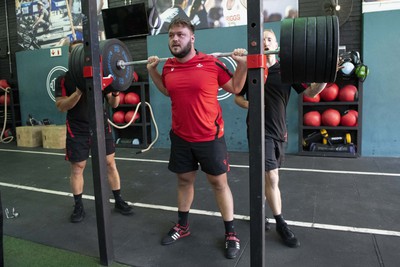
{"x":339,"y":131}
{"x":328,"y":154}
{"x":135,"y":124}
{"x":330,"y":103}
{"x":330,"y":128}
{"x":138,"y":130}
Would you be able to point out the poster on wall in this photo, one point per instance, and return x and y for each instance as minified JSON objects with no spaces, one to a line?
{"x":380,"y":5}
{"x":206,"y":14}
{"x":49,"y":23}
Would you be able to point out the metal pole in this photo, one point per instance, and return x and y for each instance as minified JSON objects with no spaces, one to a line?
{"x":98,"y":149}
{"x":121,"y":64}
{"x":255,"y":46}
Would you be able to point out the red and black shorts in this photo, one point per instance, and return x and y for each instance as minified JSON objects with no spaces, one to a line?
{"x":78,"y":146}
{"x":212,"y":156}
{"x":274,"y":154}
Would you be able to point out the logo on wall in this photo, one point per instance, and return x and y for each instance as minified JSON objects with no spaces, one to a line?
{"x":222,"y":94}
{"x":51,"y":79}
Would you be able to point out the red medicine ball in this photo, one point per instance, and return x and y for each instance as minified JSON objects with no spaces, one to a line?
{"x":352,"y":111}
{"x":314,"y":99}
{"x":349,"y":120}
{"x":132,"y":98}
{"x":129,"y":115}
{"x":330,"y":92}
{"x":348,"y":93}
{"x":312,"y":118}
{"x":4,"y":84}
{"x":330,"y":117}
{"x":3,"y":99}
{"x":121,"y":98}
{"x":119,"y":116}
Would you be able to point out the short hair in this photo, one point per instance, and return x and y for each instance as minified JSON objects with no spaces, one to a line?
{"x":270,"y":30}
{"x":72,"y":44}
{"x":181,"y":22}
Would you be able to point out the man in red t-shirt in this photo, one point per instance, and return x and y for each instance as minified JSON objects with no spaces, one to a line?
{"x":192,"y":79}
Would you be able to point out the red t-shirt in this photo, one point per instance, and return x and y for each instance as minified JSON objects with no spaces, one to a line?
{"x":193,"y":89}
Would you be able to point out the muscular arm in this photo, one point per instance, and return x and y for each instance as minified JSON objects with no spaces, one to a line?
{"x":314,"y":89}
{"x":155,"y":75}
{"x":65,"y":103}
{"x":238,"y":80}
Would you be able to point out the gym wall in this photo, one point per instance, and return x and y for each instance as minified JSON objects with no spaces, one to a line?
{"x":381,"y":124}
{"x":37,"y":70}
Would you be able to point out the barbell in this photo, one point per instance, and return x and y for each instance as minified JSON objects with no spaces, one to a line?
{"x":309,"y":51}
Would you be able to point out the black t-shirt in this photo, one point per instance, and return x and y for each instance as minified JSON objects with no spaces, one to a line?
{"x":78,"y":116}
{"x":276,"y":97}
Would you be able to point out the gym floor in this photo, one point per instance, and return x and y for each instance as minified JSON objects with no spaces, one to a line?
{"x":345,"y":211}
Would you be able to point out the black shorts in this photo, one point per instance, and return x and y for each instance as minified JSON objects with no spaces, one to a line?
{"x":186,"y":156}
{"x":274,"y":154}
{"x":78,"y":146}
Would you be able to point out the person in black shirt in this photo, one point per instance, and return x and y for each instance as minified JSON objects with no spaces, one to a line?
{"x":276,"y":96}
{"x":72,"y":100}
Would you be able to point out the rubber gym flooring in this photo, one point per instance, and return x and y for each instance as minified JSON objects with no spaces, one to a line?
{"x":345,"y":211}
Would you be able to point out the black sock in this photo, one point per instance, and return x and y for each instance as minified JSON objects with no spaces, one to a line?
{"x":117,"y":195}
{"x":229,"y":227}
{"x":183,"y":218}
{"x":78,"y":199}
{"x":279,"y":220}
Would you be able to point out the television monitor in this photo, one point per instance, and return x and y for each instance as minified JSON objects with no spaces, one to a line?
{"x":125,"y":21}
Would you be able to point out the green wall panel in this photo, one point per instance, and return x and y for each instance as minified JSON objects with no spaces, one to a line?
{"x":381,"y":52}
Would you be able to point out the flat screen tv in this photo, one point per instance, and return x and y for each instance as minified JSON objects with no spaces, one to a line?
{"x":125,"y":21}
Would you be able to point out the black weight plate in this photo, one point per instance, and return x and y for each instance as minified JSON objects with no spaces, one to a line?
{"x":299,"y":50}
{"x":321,"y":50}
{"x":286,"y":50}
{"x":81,"y":62}
{"x":311,"y":49}
{"x":112,"y":51}
{"x":72,"y":68}
{"x":329,"y":49}
{"x":335,"y":49}
{"x":75,"y":66}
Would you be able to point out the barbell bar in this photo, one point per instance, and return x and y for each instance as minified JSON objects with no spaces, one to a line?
{"x":121,"y":64}
{"x":309,"y":51}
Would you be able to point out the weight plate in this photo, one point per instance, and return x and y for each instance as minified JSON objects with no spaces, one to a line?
{"x":335,"y":50}
{"x":112,"y":51}
{"x":80,"y":61}
{"x":75,"y":66}
{"x":320,"y":50}
{"x":299,"y":50}
{"x":286,"y":50}
{"x":329,"y":49}
{"x":311,"y":49}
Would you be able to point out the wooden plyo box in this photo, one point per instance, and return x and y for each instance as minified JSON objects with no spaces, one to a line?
{"x":54,"y":136}
{"x":29,"y":136}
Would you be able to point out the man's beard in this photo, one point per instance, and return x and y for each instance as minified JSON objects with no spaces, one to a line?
{"x":183,"y":53}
